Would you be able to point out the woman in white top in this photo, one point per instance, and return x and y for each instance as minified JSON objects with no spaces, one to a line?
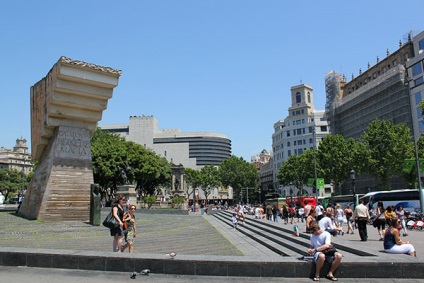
{"x":339,"y":216}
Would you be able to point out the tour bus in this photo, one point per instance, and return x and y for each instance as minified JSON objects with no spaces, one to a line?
{"x":274,"y":199}
{"x":300,"y":201}
{"x":408,"y":199}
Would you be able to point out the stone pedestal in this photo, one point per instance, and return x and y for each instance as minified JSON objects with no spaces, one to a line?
{"x":60,"y":187}
{"x":128,"y":191}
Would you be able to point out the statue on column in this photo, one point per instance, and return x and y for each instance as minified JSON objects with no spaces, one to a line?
{"x":177,"y":184}
{"x":125,"y":170}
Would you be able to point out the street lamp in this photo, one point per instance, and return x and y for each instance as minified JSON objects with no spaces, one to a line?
{"x":315,"y":162}
{"x":259,"y":191}
{"x":352,"y":177}
{"x":23,"y":180}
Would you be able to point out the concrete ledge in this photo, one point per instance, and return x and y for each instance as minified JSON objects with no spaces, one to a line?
{"x":173,"y":211}
{"x":200,"y":265}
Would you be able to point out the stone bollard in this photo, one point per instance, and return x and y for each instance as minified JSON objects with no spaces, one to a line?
{"x":95,"y":205}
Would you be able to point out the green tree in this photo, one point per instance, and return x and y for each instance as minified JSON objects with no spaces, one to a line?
{"x":238,"y":173}
{"x":387,"y":146}
{"x":192,"y":178}
{"x":111,"y":154}
{"x":149,"y":170}
{"x":337,"y":156}
{"x":295,"y":170}
{"x":209,"y":179}
{"x":108,"y":154}
{"x":11,"y":181}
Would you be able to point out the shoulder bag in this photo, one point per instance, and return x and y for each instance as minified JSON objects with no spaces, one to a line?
{"x":330,"y":251}
{"x":110,"y":221}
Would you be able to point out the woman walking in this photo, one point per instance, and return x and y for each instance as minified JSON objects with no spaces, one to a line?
{"x":348,"y":212}
{"x":118,"y":232}
{"x":339,"y":216}
{"x":381,"y":219}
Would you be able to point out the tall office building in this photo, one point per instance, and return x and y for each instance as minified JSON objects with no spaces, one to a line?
{"x":303,"y":128}
{"x":191,"y":149}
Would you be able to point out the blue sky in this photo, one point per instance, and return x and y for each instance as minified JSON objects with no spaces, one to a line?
{"x":222,"y":66}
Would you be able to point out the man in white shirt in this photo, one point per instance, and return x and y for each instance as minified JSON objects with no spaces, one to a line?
{"x":362,"y":216}
{"x":320,"y":241}
{"x":319,"y":211}
{"x":327,"y":225}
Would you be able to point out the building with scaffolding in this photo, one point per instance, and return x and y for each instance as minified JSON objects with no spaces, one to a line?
{"x":381,"y":92}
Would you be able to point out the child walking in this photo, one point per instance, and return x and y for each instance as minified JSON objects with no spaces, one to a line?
{"x":234,"y":220}
{"x":129,"y":220}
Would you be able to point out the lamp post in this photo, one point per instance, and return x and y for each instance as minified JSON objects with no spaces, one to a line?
{"x":23,"y":180}
{"x":352,"y":177}
{"x":259,"y":191}
{"x":315,"y":162}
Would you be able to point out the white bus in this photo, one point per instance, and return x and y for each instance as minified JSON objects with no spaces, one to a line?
{"x":408,"y":199}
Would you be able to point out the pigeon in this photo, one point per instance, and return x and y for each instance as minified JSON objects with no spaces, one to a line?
{"x":133,"y":275}
{"x":145,"y":272}
{"x":171,"y":255}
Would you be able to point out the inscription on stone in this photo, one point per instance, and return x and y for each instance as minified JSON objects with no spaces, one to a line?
{"x":73,"y":143}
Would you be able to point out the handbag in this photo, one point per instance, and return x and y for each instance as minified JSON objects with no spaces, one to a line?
{"x":375,"y":223}
{"x":110,"y":221}
{"x":330,"y":251}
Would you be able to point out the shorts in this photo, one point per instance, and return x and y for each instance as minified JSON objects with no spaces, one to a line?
{"x":328,"y":258}
{"x":129,"y":237}
{"x":119,"y":231}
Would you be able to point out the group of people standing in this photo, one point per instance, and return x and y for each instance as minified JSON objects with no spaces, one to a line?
{"x":383,"y":217}
{"x":127,"y":229}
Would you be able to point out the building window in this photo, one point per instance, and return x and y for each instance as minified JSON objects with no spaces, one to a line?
{"x":323,"y":128}
{"x":417,"y":69}
{"x":295,"y":143}
{"x":418,"y":97}
{"x":418,"y":81}
{"x":288,"y":143}
{"x":419,"y":113}
{"x":298,"y":98}
{"x":289,"y":152}
{"x":299,"y":131}
{"x":309,"y":97}
{"x":311,"y":140}
{"x":421,"y":44}
{"x":165,"y":153}
{"x":299,"y":151}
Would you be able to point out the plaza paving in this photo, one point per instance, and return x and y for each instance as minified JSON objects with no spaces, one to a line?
{"x":203,"y":243}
